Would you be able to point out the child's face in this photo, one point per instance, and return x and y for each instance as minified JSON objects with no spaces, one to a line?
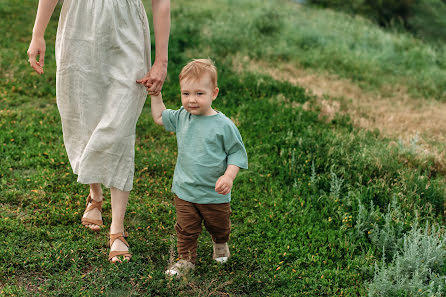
{"x":197,"y":95}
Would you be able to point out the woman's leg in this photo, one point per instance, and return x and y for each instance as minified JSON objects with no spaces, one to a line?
{"x":119,"y":201}
{"x":95,"y":214}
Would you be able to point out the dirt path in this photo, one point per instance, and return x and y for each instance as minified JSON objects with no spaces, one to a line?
{"x":397,"y":116}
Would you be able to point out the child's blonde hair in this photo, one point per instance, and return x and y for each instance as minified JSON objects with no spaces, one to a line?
{"x":197,"y":67}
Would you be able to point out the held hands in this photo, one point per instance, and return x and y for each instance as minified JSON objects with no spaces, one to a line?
{"x":37,"y":47}
{"x":154,"y":79}
{"x":223,"y":185}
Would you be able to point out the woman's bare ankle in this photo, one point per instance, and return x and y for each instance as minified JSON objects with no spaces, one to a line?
{"x":116,"y":229}
{"x":97,"y":196}
{"x":96,"y":192}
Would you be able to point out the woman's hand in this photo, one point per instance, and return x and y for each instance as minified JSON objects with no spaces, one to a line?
{"x":154,"y":79}
{"x":37,"y":47}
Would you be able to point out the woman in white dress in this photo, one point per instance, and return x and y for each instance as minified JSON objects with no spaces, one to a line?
{"x":103,"y":76}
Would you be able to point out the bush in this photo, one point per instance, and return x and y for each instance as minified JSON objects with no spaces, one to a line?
{"x":385,"y":231}
{"x":384,"y":12}
{"x":412,"y":257}
{"x":417,"y":269}
{"x":424,"y":18}
{"x":427,"y":20}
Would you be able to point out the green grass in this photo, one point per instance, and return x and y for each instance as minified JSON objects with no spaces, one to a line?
{"x":324,"y":40}
{"x":294,"y":210}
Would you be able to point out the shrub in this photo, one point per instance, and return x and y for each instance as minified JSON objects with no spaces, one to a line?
{"x":417,"y":268}
{"x":424,"y":18}
{"x":412,"y":258}
{"x":427,"y":20}
{"x":268,"y":23}
{"x":385,"y":231}
{"x":384,"y":12}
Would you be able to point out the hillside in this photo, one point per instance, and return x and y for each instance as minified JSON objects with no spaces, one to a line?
{"x":326,"y":208}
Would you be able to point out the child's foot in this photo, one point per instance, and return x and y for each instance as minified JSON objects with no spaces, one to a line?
{"x":180,"y":268}
{"x":119,"y":250}
{"x":92,"y":217}
{"x":221,"y":252}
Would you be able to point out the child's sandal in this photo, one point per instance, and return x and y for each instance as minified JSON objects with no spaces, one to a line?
{"x":94,"y":204}
{"x":121,"y":237}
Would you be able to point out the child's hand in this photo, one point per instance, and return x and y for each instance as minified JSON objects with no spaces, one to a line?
{"x":223,"y":185}
{"x":154,"y":79}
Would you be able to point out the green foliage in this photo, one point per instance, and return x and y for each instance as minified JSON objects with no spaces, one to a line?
{"x":349,"y":47}
{"x":268,"y":23}
{"x":413,"y":258}
{"x":428,"y":20}
{"x":385,"y":230}
{"x":384,"y":12}
{"x":418,"y":267}
{"x":294,"y":210}
{"x":424,"y":18}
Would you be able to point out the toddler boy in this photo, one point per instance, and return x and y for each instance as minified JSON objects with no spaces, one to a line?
{"x":210,"y":154}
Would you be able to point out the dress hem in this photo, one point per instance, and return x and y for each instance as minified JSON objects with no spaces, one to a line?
{"x":102,"y":180}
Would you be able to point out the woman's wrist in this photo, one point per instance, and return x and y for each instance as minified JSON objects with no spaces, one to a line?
{"x":161,"y":61}
{"x":38,"y":34}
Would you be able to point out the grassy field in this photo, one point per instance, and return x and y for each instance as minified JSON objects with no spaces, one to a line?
{"x":350,"y":47}
{"x":320,"y":205}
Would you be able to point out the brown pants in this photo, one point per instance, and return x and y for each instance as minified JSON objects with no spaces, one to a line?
{"x":188,"y":226}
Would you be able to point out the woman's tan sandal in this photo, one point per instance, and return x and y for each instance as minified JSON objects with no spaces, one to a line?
{"x":121,"y":237}
{"x":94,"y":204}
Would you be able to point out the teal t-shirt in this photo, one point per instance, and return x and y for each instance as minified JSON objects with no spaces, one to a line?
{"x":206,"y":146}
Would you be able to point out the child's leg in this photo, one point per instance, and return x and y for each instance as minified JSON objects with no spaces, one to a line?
{"x":188,"y":228}
{"x":218,"y":224}
{"x":216,"y":219}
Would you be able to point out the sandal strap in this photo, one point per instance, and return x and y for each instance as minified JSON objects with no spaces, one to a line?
{"x":120,"y":236}
{"x":87,"y":221}
{"x":94,"y":204}
{"x":113,"y":254}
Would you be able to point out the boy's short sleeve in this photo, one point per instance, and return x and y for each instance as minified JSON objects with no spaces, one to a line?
{"x":234,"y":147}
{"x":170,"y":119}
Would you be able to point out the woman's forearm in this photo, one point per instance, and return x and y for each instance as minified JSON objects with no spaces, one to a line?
{"x":161,"y":22}
{"x":44,"y":12}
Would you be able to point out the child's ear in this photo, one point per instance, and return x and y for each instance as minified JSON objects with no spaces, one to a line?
{"x":215,"y":93}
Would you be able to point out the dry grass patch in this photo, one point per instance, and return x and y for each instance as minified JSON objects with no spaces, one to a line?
{"x":391,"y":110}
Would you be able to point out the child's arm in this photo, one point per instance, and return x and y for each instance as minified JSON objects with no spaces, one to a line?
{"x":157,"y":109}
{"x":224,"y":183}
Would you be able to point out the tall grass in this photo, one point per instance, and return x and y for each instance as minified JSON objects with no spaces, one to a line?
{"x":351,"y":47}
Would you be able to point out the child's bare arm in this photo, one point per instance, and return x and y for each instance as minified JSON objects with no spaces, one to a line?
{"x":157,"y":109}
{"x":224,"y":183}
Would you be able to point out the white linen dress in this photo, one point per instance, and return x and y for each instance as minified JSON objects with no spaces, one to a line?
{"x":102,"y":48}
